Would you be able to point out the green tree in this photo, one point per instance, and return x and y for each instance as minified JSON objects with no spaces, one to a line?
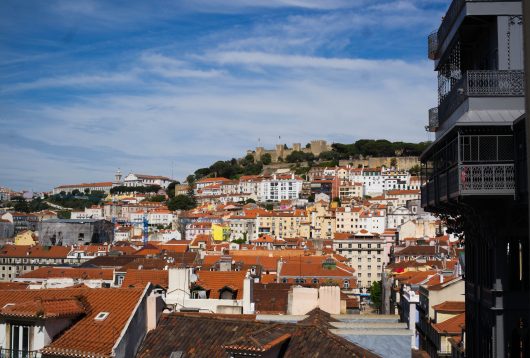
{"x":393,"y":163}
{"x":415,"y":170}
{"x":375,"y":294}
{"x":170,"y":191}
{"x":266,"y":159}
{"x":64,"y":214}
{"x":181,"y":202}
{"x":157,"y":198}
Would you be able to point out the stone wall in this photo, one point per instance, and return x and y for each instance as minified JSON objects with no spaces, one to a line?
{"x":75,"y":232}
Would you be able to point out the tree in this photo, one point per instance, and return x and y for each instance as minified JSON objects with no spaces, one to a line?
{"x":75,"y":192}
{"x":415,"y":170}
{"x":295,"y":157}
{"x":375,"y":294}
{"x":87,"y":191}
{"x":157,"y":198}
{"x":250,"y":201}
{"x":266,"y":159}
{"x":181,"y":202}
{"x":63,"y":214}
{"x":171,"y":188}
{"x":393,"y":163}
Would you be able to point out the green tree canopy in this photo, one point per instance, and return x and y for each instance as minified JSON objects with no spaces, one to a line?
{"x":266,"y":159}
{"x":181,"y":202}
{"x":375,"y":294}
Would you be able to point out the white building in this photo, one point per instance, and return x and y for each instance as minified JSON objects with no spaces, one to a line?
{"x":279,"y":187}
{"x":101,"y":186}
{"x":133,"y":180}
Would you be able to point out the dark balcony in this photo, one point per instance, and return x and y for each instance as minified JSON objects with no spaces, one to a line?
{"x":505,"y":83}
{"x":433,"y":120}
{"x":432,"y":46}
{"x":470,"y":165}
{"x":452,"y":14}
{"x":10,"y":353}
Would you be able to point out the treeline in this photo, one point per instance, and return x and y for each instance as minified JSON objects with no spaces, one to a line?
{"x":76,"y":200}
{"x":379,"y":148}
{"x":231,"y":169}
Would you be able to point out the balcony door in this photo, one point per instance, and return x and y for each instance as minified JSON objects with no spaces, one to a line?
{"x":20,"y":341}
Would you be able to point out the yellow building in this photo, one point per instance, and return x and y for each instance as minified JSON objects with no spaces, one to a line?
{"x":220,"y":232}
{"x":26,"y":237}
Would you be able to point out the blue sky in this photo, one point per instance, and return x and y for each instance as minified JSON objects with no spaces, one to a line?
{"x":162,"y":87}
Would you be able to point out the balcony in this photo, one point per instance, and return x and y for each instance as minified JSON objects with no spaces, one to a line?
{"x":471,"y":165}
{"x":10,"y":353}
{"x":452,"y":14}
{"x":502,"y":83}
{"x":433,"y":120}
{"x":432,"y":46}
{"x":463,"y":180}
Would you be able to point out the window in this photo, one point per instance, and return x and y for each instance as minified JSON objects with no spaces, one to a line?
{"x":346,"y":284}
{"x":101,"y":316}
{"x":20,"y":338}
{"x":369,"y":274}
{"x":284,"y":280}
{"x":315,"y":281}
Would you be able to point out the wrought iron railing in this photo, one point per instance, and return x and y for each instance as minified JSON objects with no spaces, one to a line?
{"x":489,"y":83}
{"x":452,"y":14}
{"x":432,"y":46}
{"x":495,"y":83}
{"x":490,"y":179}
{"x":10,"y":353}
{"x":433,"y":120}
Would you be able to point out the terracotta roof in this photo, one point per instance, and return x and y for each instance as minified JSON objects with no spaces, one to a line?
{"x":452,"y":325}
{"x":451,"y":307}
{"x":86,"y":185}
{"x":36,"y":251}
{"x":86,"y":336}
{"x":217,"y":280}
{"x":47,"y":308}
{"x":70,"y":272}
{"x":13,"y":285}
{"x":417,"y":250}
{"x":109,"y":261}
{"x":140,"y":278}
{"x":312,"y":266}
{"x":215,"y":335}
{"x":271,"y":298}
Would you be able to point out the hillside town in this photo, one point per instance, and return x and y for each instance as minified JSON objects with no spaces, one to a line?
{"x":337,"y":245}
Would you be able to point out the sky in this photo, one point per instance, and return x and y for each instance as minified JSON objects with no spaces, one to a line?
{"x":166,"y":87}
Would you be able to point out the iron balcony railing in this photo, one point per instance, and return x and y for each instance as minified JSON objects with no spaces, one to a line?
{"x":487,"y":179}
{"x":469,"y":179}
{"x":10,"y":353}
{"x":479,"y":83}
{"x":452,"y":14}
{"x":433,"y":120}
{"x":432,"y":46}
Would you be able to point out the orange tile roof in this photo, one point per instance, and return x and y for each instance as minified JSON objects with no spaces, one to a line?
{"x":86,"y":336}
{"x":39,"y":308}
{"x":140,"y":278}
{"x":312,"y":266}
{"x":452,"y":325}
{"x":36,"y":251}
{"x":451,"y":306}
{"x":70,"y":272}
{"x":216,"y":280}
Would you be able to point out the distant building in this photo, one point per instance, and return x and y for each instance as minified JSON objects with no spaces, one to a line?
{"x":75,"y":232}
{"x":133,"y":180}
{"x":68,"y":189}
{"x":315,"y":147}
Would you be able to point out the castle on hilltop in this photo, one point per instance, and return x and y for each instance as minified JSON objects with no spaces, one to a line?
{"x":282,"y":151}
